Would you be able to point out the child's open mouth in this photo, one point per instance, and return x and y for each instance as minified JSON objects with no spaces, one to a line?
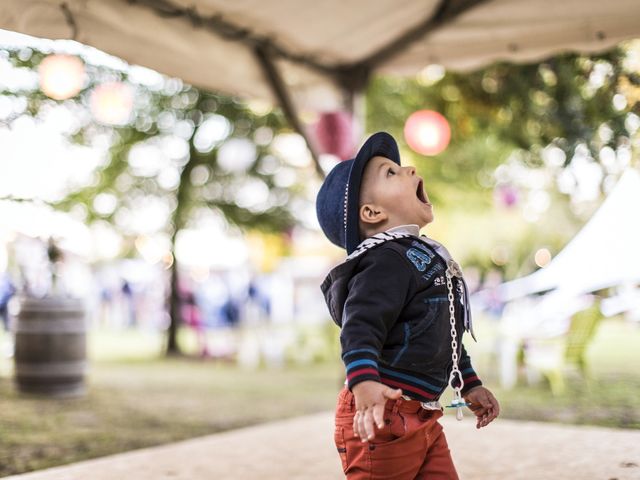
{"x":420,"y":193}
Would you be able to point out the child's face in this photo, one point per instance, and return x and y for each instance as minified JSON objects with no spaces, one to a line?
{"x":392,"y":195}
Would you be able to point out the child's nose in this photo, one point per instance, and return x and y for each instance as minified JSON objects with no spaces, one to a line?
{"x":411,"y":170}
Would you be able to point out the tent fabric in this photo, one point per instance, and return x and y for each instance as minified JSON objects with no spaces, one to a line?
{"x":523,"y":31}
{"x":603,"y":253}
{"x":166,"y":35}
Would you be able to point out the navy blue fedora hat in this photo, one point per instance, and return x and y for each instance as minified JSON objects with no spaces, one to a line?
{"x":337,"y":203}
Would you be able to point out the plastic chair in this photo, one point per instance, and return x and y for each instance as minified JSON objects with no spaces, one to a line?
{"x":552,"y":357}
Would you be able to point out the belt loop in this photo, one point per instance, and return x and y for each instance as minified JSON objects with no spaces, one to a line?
{"x":396,"y":406}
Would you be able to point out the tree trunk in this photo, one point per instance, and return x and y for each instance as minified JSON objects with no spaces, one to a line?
{"x":172,"y":348}
{"x":179,"y":221}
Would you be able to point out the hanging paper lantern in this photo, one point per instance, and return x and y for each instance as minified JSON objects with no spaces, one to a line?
{"x":334,"y":133}
{"x":427,"y":132}
{"x":112,"y":103}
{"x":61,"y":76}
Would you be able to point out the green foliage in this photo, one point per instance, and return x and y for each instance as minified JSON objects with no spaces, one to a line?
{"x":169,"y":110}
{"x":139,"y":402}
{"x":501,"y":115}
{"x":507,"y":115}
{"x":170,"y":121}
{"x":564,"y":100}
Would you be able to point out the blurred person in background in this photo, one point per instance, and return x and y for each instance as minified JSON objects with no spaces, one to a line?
{"x":7,"y":290}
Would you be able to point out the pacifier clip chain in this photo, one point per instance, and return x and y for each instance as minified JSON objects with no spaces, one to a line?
{"x":458,"y":402}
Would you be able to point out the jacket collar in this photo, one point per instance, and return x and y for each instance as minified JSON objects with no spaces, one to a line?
{"x":411,"y":229}
{"x":400,"y":231}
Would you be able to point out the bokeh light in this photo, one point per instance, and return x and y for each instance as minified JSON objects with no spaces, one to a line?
{"x":112,"y":103}
{"x":500,"y":255}
{"x":236,"y":155}
{"x":542,"y":257}
{"x":427,"y":132}
{"x":61,"y":76}
{"x":506,"y":195}
{"x":214,"y":130}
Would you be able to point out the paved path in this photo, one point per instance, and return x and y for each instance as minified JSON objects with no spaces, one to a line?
{"x":302,"y":448}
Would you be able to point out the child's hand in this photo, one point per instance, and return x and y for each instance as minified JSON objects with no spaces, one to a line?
{"x":483,"y":404}
{"x":371,"y":398}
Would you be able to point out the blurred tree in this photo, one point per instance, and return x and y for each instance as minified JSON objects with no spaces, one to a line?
{"x":188,"y":149}
{"x":568,"y":101}
{"x":525,"y":127}
{"x":167,"y":152}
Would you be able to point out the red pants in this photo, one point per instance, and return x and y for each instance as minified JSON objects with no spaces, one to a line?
{"x":410,"y":446}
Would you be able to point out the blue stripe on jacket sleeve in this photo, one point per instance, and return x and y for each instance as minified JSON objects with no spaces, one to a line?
{"x":360,"y":350}
{"x":364,"y":361}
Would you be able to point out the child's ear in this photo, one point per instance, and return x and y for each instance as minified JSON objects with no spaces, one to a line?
{"x":371,"y":214}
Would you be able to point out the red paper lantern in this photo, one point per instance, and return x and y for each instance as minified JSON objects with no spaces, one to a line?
{"x":334,"y":133}
{"x":61,"y":76}
{"x":427,"y":132}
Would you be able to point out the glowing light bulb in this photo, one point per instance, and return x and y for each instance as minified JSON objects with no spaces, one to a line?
{"x":61,"y":76}
{"x":427,"y":132}
{"x":112,"y":103}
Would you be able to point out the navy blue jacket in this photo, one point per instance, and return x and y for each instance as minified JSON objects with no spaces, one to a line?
{"x":390,"y":300}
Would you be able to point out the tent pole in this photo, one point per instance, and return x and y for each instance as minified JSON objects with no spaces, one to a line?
{"x":446,"y":12}
{"x":354,"y":102}
{"x":282,"y":95}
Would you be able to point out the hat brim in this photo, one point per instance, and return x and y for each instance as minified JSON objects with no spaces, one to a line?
{"x":379,"y":144}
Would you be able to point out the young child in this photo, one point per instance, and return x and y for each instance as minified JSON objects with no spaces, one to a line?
{"x":402,"y":306}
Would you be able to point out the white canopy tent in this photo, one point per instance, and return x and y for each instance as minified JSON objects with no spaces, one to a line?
{"x":211,"y":43}
{"x":606,"y":251}
{"x":320,"y":55}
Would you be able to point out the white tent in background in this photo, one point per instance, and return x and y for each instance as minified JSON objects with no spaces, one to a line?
{"x":606,"y":252}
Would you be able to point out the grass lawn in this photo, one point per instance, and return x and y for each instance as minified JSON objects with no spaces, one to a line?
{"x":136,"y":399}
{"x":611,"y":398}
{"x":133,"y":402}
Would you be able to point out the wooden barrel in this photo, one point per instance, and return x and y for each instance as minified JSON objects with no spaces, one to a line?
{"x":50,"y":346}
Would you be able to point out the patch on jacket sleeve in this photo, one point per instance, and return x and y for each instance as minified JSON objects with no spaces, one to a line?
{"x":420,"y":258}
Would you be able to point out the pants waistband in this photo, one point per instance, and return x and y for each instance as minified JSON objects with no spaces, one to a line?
{"x":403,"y":404}
{"x":435,"y":405}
